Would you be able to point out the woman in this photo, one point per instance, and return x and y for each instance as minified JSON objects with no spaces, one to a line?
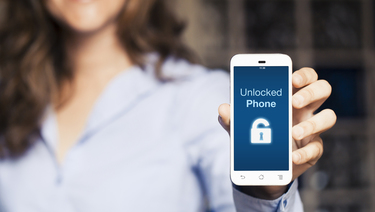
{"x":101,"y":111}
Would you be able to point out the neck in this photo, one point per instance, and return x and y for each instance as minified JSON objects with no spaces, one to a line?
{"x":97,"y":53}
{"x":95,"y":58}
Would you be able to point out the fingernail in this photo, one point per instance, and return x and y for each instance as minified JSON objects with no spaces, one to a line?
{"x":298,"y":100}
{"x":296,"y":157}
{"x":298,"y":79}
{"x":298,"y":132}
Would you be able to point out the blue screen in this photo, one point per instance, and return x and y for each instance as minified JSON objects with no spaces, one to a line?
{"x":261,"y":95}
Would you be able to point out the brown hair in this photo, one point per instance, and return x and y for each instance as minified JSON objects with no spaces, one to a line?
{"x":33,"y":63}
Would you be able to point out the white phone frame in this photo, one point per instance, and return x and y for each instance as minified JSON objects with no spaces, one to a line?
{"x":247,"y":178}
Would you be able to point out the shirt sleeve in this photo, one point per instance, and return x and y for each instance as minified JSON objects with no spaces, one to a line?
{"x":290,"y":201}
{"x":207,"y":144}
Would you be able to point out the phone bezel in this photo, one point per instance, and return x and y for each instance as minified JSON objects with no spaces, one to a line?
{"x":244,"y":178}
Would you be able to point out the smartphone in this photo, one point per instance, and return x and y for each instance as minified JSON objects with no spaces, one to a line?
{"x":261,"y":119}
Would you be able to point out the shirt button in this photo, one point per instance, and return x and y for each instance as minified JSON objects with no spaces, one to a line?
{"x":59,"y":180}
{"x":285,"y":203}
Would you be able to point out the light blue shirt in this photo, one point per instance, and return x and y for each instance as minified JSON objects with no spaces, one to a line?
{"x":148,"y":145}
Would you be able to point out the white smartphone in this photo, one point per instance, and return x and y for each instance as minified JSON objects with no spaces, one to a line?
{"x":261,"y":119}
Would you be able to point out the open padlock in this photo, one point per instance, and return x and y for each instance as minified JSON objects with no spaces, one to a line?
{"x":260,"y":135}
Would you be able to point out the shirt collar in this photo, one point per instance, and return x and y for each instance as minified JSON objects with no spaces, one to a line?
{"x":121,"y":93}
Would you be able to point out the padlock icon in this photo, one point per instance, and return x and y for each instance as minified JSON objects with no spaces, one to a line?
{"x":260,"y":135}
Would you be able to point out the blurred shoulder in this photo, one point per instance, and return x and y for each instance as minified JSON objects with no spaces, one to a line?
{"x":181,"y":71}
{"x":196,"y":91}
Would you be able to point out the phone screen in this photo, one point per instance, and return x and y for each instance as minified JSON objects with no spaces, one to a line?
{"x":261,"y":118}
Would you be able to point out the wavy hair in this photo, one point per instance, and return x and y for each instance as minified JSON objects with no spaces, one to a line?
{"x":33,"y":64}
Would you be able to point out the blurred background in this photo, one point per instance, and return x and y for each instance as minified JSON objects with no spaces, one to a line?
{"x":335,"y":37}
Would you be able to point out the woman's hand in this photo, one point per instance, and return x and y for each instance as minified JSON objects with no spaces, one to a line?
{"x":309,"y":93}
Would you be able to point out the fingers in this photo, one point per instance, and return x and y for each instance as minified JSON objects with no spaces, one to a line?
{"x":316,"y":124}
{"x":310,"y":153}
{"x":303,"y":77}
{"x":224,"y":116}
{"x":319,"y":90}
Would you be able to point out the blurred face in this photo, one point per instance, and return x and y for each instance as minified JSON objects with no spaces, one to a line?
{"x":85,"y":15}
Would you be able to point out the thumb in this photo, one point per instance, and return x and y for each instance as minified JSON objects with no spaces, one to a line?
{"x":224,"y":116}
